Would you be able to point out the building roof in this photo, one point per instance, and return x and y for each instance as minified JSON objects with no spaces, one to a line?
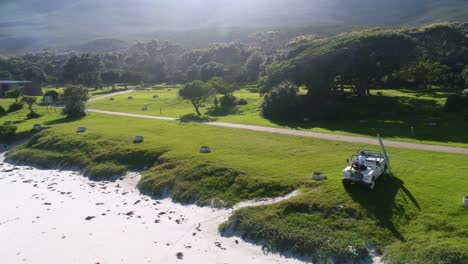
{"x":13,"y":82}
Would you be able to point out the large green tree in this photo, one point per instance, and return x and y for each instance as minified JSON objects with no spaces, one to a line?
{"x":74,"y":101}
{"x":197,"y":92}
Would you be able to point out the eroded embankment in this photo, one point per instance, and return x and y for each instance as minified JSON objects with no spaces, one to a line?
{"x":186,"y":180}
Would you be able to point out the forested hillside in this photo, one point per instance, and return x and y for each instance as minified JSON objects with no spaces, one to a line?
{"x":65,"y":25}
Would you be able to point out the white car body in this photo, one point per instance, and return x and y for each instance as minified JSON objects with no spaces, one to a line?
{"x":376,"y":167}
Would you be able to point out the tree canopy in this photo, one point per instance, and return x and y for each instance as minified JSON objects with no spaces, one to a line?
{"x":358,"y":58}
{"x":197,"y":92}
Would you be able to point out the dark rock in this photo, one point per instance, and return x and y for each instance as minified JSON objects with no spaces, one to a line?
{"x":180,"y":255}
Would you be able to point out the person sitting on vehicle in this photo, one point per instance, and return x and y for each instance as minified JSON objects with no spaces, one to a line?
{"x":360,"y":163}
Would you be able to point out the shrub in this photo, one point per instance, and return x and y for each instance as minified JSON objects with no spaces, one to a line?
{"x":15,"y":107}
{"x":53,"y":94}
{"x":228,"y":101}
{"x":2,"y":111}
{"x":456,"y":103}
{"x":281,"y":102}
{"x":7,"y":133}
{"x":242,"y":101}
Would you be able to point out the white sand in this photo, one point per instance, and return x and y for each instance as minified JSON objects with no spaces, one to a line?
{"x":42,"y":220}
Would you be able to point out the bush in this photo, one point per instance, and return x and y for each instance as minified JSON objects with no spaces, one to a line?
{"x":53,"y":94}
{"x":2,"y":111}
{"x":456,"y":103}
{"x":7,"y":133}
{"x":228,"y":101}
{"x":15,"y":107}
{"x":281,"y":102}
{"x":242,"y":101}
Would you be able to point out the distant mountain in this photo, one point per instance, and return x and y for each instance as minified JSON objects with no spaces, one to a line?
{"x":101,"y":45}
{"x":62,"y":24}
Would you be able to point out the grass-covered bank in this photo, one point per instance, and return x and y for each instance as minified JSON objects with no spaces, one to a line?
{"x":415,"y":216}
{"x":97,"y":157}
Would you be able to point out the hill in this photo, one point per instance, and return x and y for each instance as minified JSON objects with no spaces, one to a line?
{"x":53,"y":24}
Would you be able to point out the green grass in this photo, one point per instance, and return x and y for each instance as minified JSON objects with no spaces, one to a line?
{"x":391,"y":115}
{"x":414,"y":217}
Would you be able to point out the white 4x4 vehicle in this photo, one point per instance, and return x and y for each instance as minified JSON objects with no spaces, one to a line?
{"x":376,"y":165}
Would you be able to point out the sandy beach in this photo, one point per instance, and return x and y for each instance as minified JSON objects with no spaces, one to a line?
{"x":51,"y":216}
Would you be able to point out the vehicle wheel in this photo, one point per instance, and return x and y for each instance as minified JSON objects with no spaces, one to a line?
{"x":371,"y":186}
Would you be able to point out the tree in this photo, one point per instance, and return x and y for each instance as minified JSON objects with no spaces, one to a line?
{"x":131,"y":77}
{"x":252,"y":66}
{"x":74,"y":100}
{"x":197,"y":92}
{"x":193,"y":73}
{"x":30,"y":101}
{"x":13,"y":93}
{"x":34,"y":74}
{"x":465,"y":75}
{"x":281,"y":102}
{"x":210,"y":70}
{"x":226,"y":89}
{"x":111,"y":77}
{"x":426,"y":73}
{"x":5,"y":75}
{"x":221,"y":86}
{"x":84,"y":70}
{"x":359,"y":58}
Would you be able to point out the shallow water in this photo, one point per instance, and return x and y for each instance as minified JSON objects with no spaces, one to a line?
{"x":51,"y":216}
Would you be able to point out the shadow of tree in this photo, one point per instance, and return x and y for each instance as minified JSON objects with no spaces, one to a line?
{"x":391,"y":117}
{"x":381,"y":203}
{"x":62,"y":120}
{"x":196,"y":118}
{"x":224,"y":111}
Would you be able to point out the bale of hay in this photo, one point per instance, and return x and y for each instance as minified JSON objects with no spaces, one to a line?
{"x":80,"y":129}
{"x":130,"y":97}
{"x":37,"y":127}
{"x":205,"y":149}
{"x":138,"y":139}
{"x":242,"y":101}
{"x":144,"y":108}
{"x":155,"y":96}
{"x":318,"y":176}
{"x":465,"y":201}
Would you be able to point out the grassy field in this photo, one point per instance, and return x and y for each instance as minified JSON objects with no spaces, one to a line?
{"x":415,"y":217}
{"x":392,"y":115}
